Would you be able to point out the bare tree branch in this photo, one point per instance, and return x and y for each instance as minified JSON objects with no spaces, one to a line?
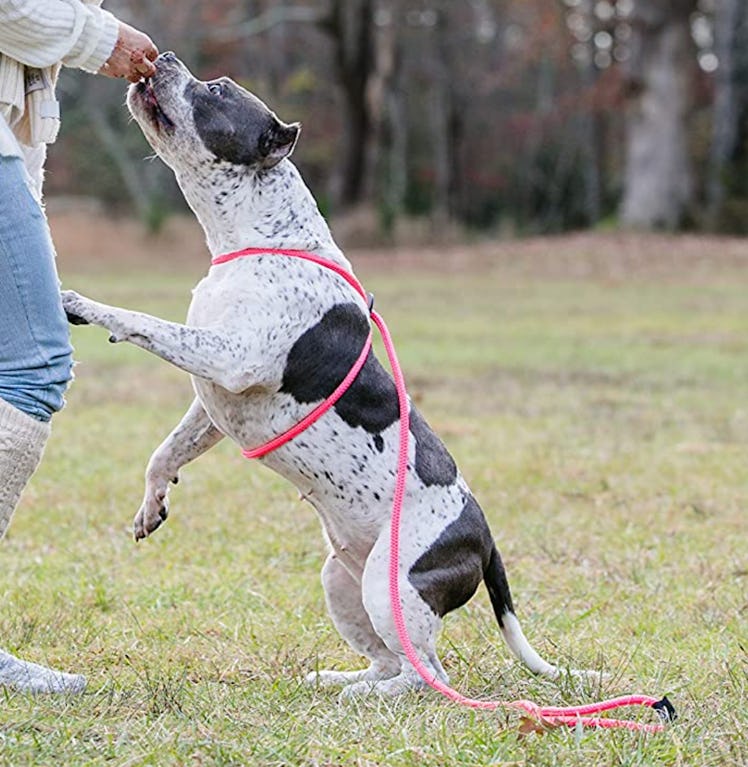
{"x":265,"y":21}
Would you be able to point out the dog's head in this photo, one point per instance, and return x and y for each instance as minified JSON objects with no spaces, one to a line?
{"x":189,"y":122}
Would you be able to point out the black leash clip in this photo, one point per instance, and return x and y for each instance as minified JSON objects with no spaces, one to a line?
{"x":666,"y":710}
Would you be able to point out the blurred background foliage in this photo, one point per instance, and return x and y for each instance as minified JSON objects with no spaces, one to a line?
{"x":506,"y":116}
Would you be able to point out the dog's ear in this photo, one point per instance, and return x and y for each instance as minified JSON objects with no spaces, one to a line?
{"x":278,"y":143}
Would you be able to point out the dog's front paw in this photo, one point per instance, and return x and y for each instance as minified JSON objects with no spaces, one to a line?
{"x":153,"y":512}
{"x":77,"y":308}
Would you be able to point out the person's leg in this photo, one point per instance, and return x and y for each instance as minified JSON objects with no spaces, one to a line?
{"x":22,"y":440}
{"x":35,"y":351}
{"x":35,"y":367}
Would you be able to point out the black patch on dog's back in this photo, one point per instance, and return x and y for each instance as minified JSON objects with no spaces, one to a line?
{"x":448,"y":574}
{"x":434,"y":464}
{"x":322,"y":357}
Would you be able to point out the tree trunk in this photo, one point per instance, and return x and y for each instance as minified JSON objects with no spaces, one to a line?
{"x":658,"y":177}
{"x":730,"y":129}
{"x":441,"y":108}
{"x":389,"y":115}
{"x":351,"y":25}
{"x":589,"y":131}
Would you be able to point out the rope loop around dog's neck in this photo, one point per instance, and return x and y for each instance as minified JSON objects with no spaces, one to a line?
{"x":571,"y":716}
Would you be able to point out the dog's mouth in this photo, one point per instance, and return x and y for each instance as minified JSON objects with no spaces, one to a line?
{"x":147,"y":94}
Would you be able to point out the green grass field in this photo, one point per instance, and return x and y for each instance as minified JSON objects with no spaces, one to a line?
{"x":599,"y":409}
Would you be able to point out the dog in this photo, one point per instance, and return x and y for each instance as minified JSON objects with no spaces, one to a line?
{"x":267,"y":338}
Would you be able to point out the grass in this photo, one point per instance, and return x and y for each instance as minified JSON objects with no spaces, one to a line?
{"x":603,"y":425}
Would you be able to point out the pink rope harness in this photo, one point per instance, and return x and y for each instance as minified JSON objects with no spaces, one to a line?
{"x":549,"y":716}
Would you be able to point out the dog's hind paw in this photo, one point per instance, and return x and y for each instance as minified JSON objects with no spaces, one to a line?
{"x":386,"y":688}
{"x":378,"y":671}
{"x":334,"y":678}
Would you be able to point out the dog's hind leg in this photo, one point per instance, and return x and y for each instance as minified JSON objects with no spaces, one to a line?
{"x":194,"y":435}
{"x":343,"y":597}
{"x":423,"y":625}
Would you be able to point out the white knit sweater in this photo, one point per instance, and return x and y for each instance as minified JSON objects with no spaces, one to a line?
{"x":36,"y":37}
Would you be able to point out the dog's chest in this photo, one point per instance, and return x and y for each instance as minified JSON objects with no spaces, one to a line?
{"x":298,"y":327}
{"x":311,"y":328}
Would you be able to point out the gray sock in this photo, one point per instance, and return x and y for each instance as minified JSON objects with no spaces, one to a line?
{"x":22,"y":440}
{"x":23,"y":676}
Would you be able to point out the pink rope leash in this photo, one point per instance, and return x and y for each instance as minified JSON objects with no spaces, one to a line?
{"x":551,"y":716}
{"x":268,"y":447}
{"x":570,"y":716}
{"x":318,"y":412}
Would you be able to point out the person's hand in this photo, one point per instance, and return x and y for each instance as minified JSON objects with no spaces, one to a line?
{"x":132,"y":57}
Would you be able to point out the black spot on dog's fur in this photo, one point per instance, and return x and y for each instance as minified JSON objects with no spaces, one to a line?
{"x":434,"y":464}
{"x":237,"y":127}
{"x":448,"y":574}
{"x":322,"y":357}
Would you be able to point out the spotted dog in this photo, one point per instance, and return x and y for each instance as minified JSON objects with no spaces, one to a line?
{"x":266,"y":339}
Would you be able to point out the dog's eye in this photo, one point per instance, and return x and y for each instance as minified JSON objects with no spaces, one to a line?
{"x":216,"y":89}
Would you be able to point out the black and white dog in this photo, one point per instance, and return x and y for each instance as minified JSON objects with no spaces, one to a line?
{"x":268,"y":338}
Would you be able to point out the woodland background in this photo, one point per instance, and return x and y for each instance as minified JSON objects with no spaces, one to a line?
{"x":502,"y":116}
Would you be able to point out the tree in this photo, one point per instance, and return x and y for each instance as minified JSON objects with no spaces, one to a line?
{"x":658,"y":182}
{"x":488,"y":113}
{"x":729,"y":150}
{"x":389,"y":111}
{"x":350,"y":24}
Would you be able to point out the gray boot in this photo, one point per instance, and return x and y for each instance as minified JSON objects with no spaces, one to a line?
{"x":22,"y":440}
{"x":23,"y":676}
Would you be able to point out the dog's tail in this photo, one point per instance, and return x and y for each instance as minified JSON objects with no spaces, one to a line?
{"x":501,"y":599}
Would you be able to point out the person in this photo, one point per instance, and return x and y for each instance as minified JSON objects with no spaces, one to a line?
{"x":37,"y":37}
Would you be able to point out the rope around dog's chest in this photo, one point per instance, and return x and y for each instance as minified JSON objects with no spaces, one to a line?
{"x":571,"y":716}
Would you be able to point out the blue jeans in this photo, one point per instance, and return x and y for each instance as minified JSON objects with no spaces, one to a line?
{"x":35,"y":353}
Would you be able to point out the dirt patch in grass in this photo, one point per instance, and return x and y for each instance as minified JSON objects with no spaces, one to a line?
{"x":93,"y":241}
